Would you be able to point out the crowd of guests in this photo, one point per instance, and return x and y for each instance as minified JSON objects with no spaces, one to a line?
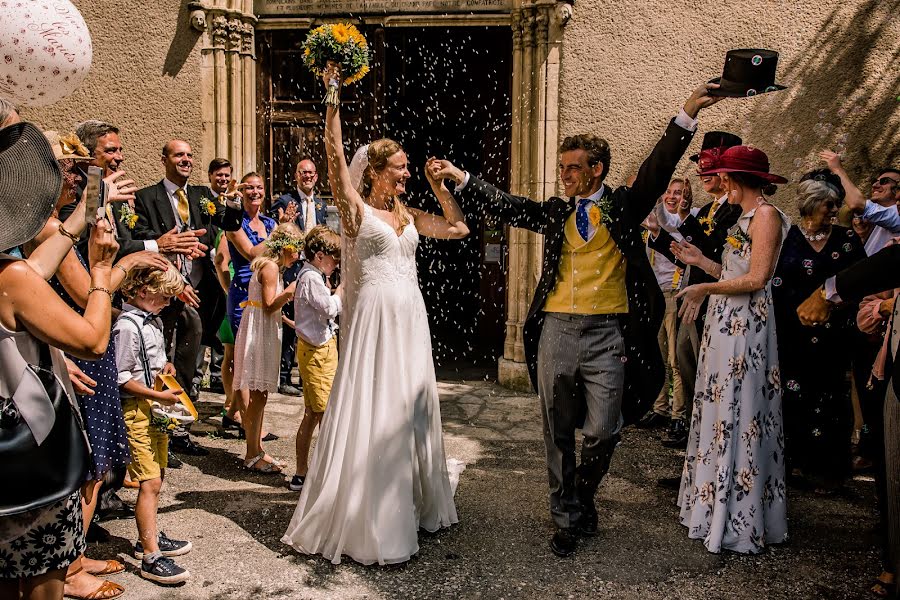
{"x":828,"y":372}
{"x":138,"y":295}
{"x":770,"y":347}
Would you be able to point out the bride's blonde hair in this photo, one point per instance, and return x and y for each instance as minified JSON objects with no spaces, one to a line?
{"x":378,"y":153}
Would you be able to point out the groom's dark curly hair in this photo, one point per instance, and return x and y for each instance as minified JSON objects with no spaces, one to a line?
{"x":596,"y":147}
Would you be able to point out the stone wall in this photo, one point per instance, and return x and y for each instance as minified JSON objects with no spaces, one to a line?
{"x":628,"y":66}
{"x":145,"y":79}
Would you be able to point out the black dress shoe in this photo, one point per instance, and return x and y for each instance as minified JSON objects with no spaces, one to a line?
{"x":587,"y":524}
{"x":653,"y":420}
{"x":269,"y":437}
{"x":173,"y":461}
{"x":669,"y":483}
{"x":564,"y":542}
{"x":184,"y":445}
{"x":229,"y":423}
{"x":677,"y":435}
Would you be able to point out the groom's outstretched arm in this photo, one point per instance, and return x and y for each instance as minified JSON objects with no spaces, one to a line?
{"x":517,"y":211}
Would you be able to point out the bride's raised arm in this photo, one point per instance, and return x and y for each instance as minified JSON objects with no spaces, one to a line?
{"x":348,"y":201}
{"x":452,"y":224}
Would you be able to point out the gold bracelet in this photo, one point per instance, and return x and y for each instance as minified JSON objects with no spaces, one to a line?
{"x":71,"y":236}
{"x":93,"y":289}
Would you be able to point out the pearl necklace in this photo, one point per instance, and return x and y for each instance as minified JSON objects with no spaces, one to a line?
{"x":815,"y":237}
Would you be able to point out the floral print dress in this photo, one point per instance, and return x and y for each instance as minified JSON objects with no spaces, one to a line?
{"x":732,"y":492}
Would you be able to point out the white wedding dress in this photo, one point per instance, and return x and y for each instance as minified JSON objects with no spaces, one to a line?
{"x":378,"y":471}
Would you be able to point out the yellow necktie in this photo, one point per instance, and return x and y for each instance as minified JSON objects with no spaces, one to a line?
{"x":183,"y":211}
{"x":715,"y":207}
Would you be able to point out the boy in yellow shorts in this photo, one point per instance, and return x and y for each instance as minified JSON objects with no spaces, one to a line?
{"x":140,"y":357}
{"x":315,"y":308}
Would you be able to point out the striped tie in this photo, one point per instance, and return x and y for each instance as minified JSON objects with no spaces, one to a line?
{"x":183,"y":211}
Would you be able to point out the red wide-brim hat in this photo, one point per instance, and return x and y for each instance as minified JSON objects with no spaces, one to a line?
{"x":737,"y":159}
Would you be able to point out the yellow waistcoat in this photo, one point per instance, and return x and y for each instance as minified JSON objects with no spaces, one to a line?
{"x":591,"y":275}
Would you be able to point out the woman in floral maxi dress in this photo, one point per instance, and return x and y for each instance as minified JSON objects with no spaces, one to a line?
{"x":732,"y":492}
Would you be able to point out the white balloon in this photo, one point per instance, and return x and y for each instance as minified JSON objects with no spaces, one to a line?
{"x":45,"y":50}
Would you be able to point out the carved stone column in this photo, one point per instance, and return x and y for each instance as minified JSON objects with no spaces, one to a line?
{"x":537,"y":38}
{"x":228,"y":88}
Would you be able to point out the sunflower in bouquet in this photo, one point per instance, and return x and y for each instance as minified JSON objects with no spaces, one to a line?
{"x":341,"y":43}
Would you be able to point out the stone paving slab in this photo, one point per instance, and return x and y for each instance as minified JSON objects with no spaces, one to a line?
{"x":499,"y":549}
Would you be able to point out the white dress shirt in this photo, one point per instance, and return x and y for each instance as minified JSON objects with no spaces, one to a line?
{"x":315,"y":307}
{"x":128,"y":346}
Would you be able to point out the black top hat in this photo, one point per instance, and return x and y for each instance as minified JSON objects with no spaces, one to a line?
{"x":30,"y":182}
{"x":747,"y":72}
{"x":717,"y":139}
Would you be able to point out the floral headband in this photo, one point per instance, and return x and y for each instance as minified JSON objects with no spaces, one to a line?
{"x":284,"y":242}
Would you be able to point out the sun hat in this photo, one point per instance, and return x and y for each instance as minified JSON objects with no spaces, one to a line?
{"x":30,"y":182}
{"x":737,"y":159}
{"x":67,"y":146}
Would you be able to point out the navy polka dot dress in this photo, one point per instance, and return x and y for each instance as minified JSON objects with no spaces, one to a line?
{"x":102,"y":412}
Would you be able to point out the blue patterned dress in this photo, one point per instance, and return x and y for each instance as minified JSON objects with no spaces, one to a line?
{"x":240,"y":281}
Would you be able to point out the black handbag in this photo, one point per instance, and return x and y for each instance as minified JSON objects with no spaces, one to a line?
{"x":40,"y":473}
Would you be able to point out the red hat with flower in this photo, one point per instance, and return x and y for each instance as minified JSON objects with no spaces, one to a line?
{"x":737,"y":159}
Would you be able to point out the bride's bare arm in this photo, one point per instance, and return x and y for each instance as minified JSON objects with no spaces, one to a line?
{"x":452,"y":224}
{"x":348,"y":201}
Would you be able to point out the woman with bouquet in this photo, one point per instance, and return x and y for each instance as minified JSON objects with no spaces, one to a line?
{"x":378,"y":472}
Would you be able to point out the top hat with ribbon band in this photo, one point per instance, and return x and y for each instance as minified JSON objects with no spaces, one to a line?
{"x":748,"y":72}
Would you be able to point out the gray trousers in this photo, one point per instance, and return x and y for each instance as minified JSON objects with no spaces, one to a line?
{"x":687,"y":352}
{"x":892,"y":470}
{"x":581,"y":374}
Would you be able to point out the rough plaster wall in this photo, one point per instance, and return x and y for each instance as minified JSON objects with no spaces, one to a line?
{"x":145,"y":79}
{"x":628,"y":66}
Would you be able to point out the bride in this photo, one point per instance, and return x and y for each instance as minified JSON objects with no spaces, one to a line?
{"x":378,"y":472}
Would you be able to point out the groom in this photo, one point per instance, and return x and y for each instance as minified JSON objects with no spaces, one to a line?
{"x":590,"y":335}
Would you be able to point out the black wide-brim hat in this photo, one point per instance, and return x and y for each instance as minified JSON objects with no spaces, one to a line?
{"x":748,"y":72}
{"x":30,"y":183}
{"x":717,"y":139}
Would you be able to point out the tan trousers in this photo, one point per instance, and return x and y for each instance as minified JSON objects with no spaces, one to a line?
{"x":667,"y":336}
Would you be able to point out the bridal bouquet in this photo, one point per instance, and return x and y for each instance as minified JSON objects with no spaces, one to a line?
{"x":341,"y":43}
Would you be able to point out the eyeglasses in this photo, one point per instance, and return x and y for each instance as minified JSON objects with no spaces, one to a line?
{"x":887,"y":181}
{"x":307,"y":173}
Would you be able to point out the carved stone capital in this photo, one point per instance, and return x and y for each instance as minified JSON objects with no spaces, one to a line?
{"x":219,"y":32}
{"x":542,"y":22}
{"x":235,"y":29}
{"x":247,"y":31}
{"x":528,"y":29}
{"x":516,"y":24}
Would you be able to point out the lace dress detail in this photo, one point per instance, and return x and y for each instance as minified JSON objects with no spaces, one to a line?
{"x":378,"y":472}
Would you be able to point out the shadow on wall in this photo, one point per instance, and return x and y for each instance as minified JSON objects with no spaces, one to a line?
{"x":183,"y":41}
{"x":840,"y":83}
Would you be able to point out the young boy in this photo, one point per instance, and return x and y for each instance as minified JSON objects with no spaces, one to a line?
{"x":141,"y":356}
{"x":315,"y":308}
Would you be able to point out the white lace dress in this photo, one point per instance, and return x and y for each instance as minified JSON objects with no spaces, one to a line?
{"x":378,"y":472}
{"x":257,"y":347}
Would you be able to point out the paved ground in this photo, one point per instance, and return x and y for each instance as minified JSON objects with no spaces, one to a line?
{"x":499,"y":548}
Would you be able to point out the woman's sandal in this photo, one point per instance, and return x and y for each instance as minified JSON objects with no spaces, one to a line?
{"x":881,"y":588}
{"x":270,"y":468}
{"x":112,"y":567}
{"x":105,"y":591}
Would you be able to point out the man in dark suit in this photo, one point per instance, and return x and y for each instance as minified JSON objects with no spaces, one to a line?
{"x":878,"y":273}
{"x":591,"y":332}
{"x":707,"y":231}
{"x":307,"y":210}
{"x":103,"y":142}
{"x":173,"y":206}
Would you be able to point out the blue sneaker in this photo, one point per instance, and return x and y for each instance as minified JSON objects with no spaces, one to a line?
{"x":164,"y":570}
{"x":166,"y":546}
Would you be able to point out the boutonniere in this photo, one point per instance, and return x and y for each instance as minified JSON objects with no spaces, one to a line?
{"x":127,"y":215}
{"x":318,"y":206}
{"x":601,"y":211}
{"x":208,"y":206}
{"x":737,"y":238}
{"x":709,"y":223}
